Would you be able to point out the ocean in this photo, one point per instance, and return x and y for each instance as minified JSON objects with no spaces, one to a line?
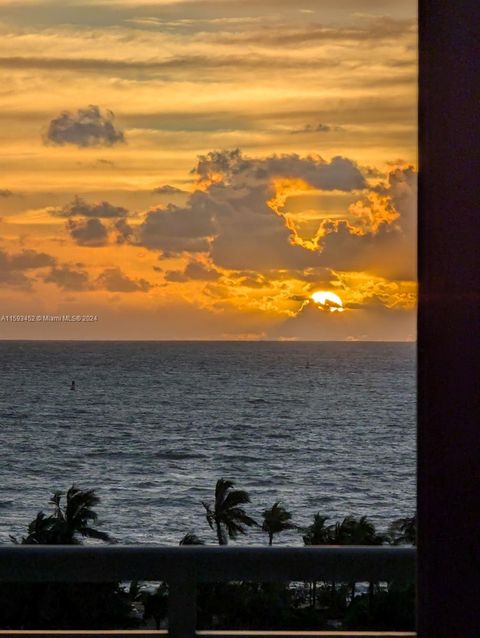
{"x":324,"y":427}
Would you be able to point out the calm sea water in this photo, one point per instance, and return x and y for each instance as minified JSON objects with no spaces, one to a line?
{"x":323,"y":427}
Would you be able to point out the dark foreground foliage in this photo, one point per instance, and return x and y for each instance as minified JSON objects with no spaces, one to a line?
{"x":239,"y":605}
{"x":65,"y":606}
{"x":389,"y":610}
{"x":273,"y":606}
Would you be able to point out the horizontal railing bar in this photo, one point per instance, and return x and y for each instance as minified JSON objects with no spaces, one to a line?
{"x":91,"y":633}
{"x":32,"y":633}
{"x":57,"y":563}
{"x":216,"y":633}
{"x":309,"y":634}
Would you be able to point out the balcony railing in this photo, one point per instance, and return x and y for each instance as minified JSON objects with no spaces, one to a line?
{"x":183,"y":567}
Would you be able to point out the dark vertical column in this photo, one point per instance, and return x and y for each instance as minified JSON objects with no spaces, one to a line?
{"x":449,"y":321}
{"x":182,"y":609}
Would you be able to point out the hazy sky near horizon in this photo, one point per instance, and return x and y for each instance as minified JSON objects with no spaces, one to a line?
{"x":197,"y":169}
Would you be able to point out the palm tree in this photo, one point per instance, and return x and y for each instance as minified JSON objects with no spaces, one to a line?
{"x":403,"y":531}
{"x":191,"y":539}
{"x":356,"y":532}
{"x":276,"y":520}
{"x":66,"y":522}
{"x":75,"y":516}
{"x":227,"y":516}
{"x":39,"y":531}
{"x":318,"y":534}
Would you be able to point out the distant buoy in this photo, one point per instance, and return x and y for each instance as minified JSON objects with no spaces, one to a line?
{"x":72,"y":387}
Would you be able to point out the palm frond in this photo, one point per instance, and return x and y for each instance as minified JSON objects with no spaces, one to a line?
{"x":210,"y":516}
{"x":226,"y":515}
{"x":235,"y":498}
{"x":221,"y":489}
{"x":191,"y":539}
{"x":239,"y":514}
{"x":318,"y":533}
{"x":95,"y":533}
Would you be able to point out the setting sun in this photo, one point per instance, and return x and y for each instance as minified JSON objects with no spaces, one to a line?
{"x":328,"y":301}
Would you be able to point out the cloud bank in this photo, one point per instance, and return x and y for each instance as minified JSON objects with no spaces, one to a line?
{"x":87,"y":127}
{"x":239,"y":216}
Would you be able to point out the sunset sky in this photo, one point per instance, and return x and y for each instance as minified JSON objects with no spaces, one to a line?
{"x":198,"y":169}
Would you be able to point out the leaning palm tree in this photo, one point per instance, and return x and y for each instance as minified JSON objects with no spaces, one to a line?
{"x":67,"y":521}
{"x":403,"y":531}
{"x":227,"y":516}
{"x":74,"y":518}
{"x":276,"y":520}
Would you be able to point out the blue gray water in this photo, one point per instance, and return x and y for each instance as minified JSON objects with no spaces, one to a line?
{"x":323,"y":427}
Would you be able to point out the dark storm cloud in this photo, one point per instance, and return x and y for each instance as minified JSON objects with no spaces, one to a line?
{"x":68,"y":278}
{"x":87,"y":127}
{"x":175,"y":276}
{"x":231,"y":219}
{"x":123,"y":231}
{"x":86,"y":222}
{"x":80,"y":208}
{"x":176,"y":230}
{"x":13,"y":266}
{"x":14,"y":278}
{"x":168,"y":190}
{"x":29,"y":259}
{"x":391,"y":250}
{"x":114,"y":280}
{"x":88,"y":232}
{"x":195,"y":271}
{"x":338,"y":174}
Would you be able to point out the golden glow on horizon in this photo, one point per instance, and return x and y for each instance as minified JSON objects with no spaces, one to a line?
{"x":328,"y":301}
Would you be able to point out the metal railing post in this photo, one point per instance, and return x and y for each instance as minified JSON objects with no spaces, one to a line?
{"x":182,"y":608}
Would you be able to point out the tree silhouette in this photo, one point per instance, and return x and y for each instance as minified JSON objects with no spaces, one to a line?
{"x":68,"y":522}
{"x":356,"y":532}
{"x":317,"y":533}
{"x":39,"y":531}
{"x":191,"y":539}
{"x":276,"y":520}
{"x":227,"y":516}
{"x":403,"y":531}
{"x":352,"y":531}
{"x":65,"y":605}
